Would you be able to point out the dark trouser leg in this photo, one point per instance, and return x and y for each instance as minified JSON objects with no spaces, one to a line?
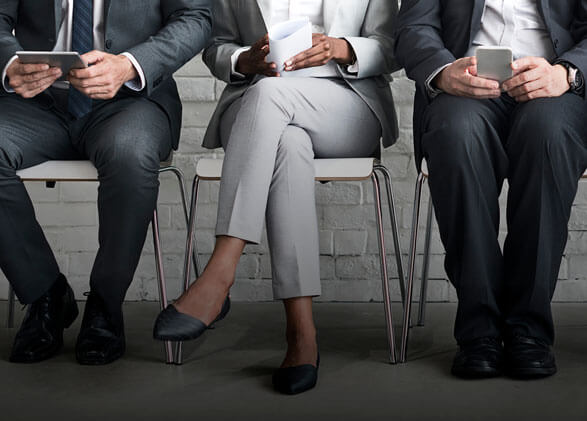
{"x":31,"y":132}
{"x":463,"y":147}
{"x":126,"y":139}
{"x":547,"y":149}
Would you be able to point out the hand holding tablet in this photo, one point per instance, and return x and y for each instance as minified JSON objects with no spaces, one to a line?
{"x":65,"y":61}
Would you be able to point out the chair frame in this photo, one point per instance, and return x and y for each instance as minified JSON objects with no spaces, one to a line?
{"x":420,"y":181}
{"x":162,"y":284}
{"x":374,"y":177}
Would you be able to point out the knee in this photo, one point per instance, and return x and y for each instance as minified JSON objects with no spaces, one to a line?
{"x":129,"y":154}
{"x":452,"y":135}
{"x":295,"y":144}
{"x":267,"y":91}
{"x":536,"y":133}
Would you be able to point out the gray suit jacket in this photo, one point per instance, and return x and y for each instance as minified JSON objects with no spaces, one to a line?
{"x":432,"y":33}
{"x":367,"y":24}
{"x":161,"y":34}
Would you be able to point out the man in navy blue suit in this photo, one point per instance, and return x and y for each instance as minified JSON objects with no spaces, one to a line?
{"x":474,"y":134}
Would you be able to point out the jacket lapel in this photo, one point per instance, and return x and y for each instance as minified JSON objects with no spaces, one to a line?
{"x":544,"y":9}
{"x":330,"y":9}
{"x":106,"y":11}
{"x":344,"y":17}
{"x":57,"y":15}
{"x":476,"y":16}
{"x":265,"y":9}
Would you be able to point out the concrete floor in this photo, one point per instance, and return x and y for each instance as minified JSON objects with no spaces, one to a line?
{"x":227,"y":374}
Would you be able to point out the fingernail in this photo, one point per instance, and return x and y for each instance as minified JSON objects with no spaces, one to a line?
{"x":288,"y":63}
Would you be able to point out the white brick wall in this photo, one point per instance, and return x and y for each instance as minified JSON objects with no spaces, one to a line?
{"x":348,"y":240}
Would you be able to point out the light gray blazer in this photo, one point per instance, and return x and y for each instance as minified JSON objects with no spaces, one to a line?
{"x":368,"y":25}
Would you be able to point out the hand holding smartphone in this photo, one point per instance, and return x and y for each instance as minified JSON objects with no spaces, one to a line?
{"x":495,"y":63}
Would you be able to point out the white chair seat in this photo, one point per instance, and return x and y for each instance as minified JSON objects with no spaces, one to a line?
{"x":60,"y":171}
{"x":68,"y":171}
{"x":343,"y":169}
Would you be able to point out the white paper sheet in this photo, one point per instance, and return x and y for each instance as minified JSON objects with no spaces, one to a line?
{"x":288,"y":39}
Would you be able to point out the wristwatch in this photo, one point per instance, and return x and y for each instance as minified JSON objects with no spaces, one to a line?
{"x":575,"y":78}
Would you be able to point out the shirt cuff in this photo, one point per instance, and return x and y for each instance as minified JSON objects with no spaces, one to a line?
{"x":5,"y":84}
{"x":353,"y":68}
{"x":432,"y":91}
{"x":234,"y":61}
{"x":138,"y":83}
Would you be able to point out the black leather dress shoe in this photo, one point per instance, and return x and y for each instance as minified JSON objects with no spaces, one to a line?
{"x":528,"y":358}
{"x":478,"y":359}
{"x":171,"y":325}
{"x":41,"y":334}
{"x":101,"y":340}
{"x":297,"y":379}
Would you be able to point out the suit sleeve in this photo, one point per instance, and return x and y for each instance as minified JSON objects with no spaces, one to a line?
{"x":186,"y":31}
{"x":9,"y":45}
{"x":419,"y":46}
{"x":226,"y":41}
{"x":375,"y":49}
{"x":578,"y":54}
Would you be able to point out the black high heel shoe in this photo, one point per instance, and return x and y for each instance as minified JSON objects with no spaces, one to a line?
{"x":171,"y":325}
{"x":298,"y":379}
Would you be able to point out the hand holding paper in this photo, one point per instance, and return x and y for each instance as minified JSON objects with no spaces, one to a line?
{"x":288,"y":39}
{"x":324,"y":49}
{"x":253,"y":61}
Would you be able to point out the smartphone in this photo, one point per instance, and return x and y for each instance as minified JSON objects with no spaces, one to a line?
{"x":495,"y":63}
{"x":64,"y":60}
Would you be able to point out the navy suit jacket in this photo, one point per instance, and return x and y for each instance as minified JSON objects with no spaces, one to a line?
{"x":161,"y":34}
{"x":433,"y":33}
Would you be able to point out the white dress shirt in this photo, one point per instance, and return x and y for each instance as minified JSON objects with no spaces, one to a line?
{"x":510,"y":23}
{"x":283,"y":10}
{"x":64,"y":44}
{"x":516,"y":24}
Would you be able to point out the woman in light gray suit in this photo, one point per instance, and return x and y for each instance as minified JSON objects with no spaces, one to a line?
{"x":271,"y":128}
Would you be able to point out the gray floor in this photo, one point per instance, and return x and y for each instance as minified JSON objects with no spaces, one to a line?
{"x":227,"y":374}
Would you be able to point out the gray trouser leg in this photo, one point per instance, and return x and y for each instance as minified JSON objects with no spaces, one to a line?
{"x":275,"y":131}
{"x":292,"y":225}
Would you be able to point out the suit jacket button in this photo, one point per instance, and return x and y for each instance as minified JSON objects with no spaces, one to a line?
{"x":108,"y":44}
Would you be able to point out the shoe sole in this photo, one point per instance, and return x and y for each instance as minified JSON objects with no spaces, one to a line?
{"x":531,"y":373}
{"x":25,"y":360}
{"x":95,"y":362}
{"x":472,"y":373}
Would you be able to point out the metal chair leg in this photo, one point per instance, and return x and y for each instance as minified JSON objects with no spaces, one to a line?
{"x":411,"y":266}
{"x":392,"y":214}
{"x":425,"y":266}
{"x":182,"y":189}
{"x":188,"y":254}
{"x":11,"y":305}
{"x":384,"y":274}
{"x":161,"y":279}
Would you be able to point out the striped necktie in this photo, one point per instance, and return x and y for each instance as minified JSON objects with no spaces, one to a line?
{"x":82,"y":41}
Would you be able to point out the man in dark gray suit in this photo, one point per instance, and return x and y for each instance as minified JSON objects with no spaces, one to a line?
{"x":123,"y":113}
{"x":474,"y":134}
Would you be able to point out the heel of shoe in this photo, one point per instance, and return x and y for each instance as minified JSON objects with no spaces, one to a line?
{"x":70,"y":309}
